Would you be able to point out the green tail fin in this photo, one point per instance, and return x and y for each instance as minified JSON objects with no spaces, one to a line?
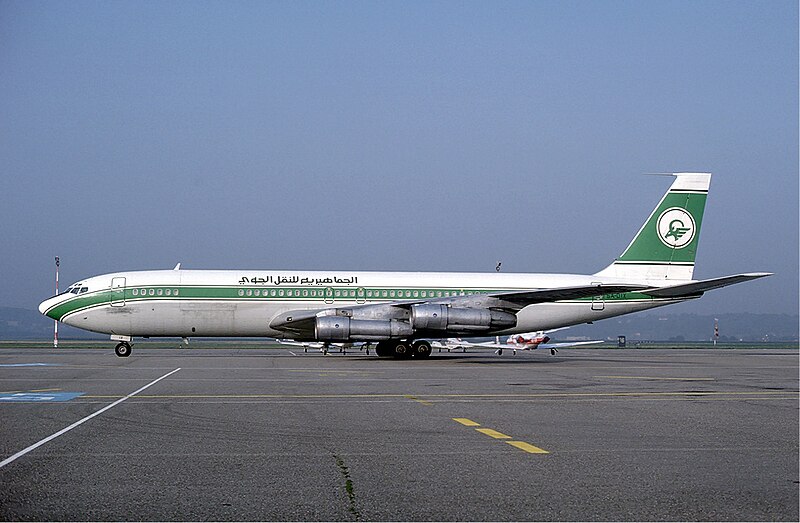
{"x":666,"y":245}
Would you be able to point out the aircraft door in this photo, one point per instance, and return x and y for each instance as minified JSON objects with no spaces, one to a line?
{"x":117,"y":292}
{"x":598,"y":303}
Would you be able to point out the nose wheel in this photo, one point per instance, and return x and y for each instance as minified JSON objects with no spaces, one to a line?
{"x":123,"y":349}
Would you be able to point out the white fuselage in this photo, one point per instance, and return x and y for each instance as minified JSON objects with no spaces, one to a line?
{"x":195,"y":303}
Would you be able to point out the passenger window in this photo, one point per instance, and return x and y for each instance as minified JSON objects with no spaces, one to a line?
{"x":280,"y":292}
{"x":168,"y":292}
{"x":175,"y":292}
{"x":272,"y":292}
{"x":258,"y":292}
{"x":160,"y":292}
{"x":151,"y":292}
{"x":135,"y":292}
{"x":241,"y":292}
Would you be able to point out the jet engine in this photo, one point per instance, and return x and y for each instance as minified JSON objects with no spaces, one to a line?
{"x":340,"y":328}
{"x":430,"y":316}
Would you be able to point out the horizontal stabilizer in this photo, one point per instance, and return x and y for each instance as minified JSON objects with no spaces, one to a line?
{"x":698,"y":287}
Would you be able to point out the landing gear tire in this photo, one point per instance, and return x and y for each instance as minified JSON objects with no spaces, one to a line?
{"x":402,"y":350}
{"x":123,"y":349}
{"x":383,"y":349}
{"x":421,"y":349}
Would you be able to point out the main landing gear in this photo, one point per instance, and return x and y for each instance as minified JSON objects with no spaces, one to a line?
{"x":404,"y":350}
{"x":123,"y":349}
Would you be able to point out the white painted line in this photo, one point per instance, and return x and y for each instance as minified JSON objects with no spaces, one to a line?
{"x":292,"y":353}
{"x":79,"y":422}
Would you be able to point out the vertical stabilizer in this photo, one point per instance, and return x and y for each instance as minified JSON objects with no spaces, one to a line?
{"x":666,"y":245}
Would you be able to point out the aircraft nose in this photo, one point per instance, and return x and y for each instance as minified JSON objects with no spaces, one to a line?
{"x":47,"y":304}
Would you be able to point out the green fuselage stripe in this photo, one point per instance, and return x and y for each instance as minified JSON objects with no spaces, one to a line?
{"x":322,"y":295}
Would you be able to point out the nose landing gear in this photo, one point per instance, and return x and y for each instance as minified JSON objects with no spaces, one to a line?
{"x":123,"y":349}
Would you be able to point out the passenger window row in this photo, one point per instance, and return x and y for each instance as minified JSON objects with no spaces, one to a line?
{"x":154,"y":292}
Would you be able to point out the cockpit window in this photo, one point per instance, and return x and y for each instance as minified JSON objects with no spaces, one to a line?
{"x":75,"y":288}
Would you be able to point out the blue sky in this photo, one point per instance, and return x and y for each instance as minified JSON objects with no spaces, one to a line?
{"x":393,"y":136}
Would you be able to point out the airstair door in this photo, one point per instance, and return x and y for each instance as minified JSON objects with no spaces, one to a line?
{"x":117,"y":292}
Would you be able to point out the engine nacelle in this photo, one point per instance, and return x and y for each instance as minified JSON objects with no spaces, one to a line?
{"x":441,"y":317}
{"x":340,"y":328}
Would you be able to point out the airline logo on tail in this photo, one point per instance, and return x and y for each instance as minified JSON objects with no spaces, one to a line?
{"x":676,"y":228}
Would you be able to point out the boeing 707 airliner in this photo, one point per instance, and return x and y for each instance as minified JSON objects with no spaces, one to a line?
{"x":399,"y":310}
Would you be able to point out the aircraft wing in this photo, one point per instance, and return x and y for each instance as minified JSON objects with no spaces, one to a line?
{"x":300,"y":323}
{"x":307,"y":344}
{"x":700,"y":286}
{"x":568,"y":344}
{"x":523,"y":298}
{"x":511,"y":346}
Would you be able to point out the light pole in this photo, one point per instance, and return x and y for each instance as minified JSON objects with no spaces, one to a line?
{"x":55,"y":325}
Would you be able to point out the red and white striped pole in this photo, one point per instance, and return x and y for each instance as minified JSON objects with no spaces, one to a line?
{"x":55,"y":331}
{"x":716,"y":331}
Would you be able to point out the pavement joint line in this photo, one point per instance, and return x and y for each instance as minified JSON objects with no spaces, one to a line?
{"x":38,"y":444}
{"x":698,"y":393}
{"x":655,"y":378}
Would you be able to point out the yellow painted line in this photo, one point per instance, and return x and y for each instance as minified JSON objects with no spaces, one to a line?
{"x":467,"y":422}
{"x":45,"y":390}
{"x":527,"y":447}
{"x":422,"y":402}
{"x":654,"y":378}
{"x":493,"y":433}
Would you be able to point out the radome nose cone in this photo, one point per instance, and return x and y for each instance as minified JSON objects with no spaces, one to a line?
{"x":46,"y":304}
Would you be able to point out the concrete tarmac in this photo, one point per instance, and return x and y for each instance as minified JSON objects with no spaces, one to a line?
{"x":588,"y":434}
